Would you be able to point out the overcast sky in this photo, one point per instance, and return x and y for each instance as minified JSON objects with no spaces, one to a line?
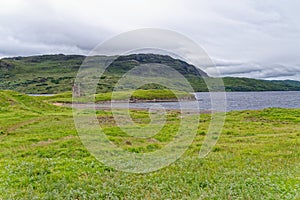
{"x":255,"y":38}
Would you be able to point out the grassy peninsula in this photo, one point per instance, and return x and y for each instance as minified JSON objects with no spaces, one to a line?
{"x":151,"y":95}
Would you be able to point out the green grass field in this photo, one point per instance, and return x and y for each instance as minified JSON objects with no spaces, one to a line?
{"x":42,"y":157}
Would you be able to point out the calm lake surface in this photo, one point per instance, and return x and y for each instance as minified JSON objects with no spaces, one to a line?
{"x":234,"y":101}
{"x":255,"y":100}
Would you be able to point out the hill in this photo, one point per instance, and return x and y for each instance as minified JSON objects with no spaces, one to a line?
{"x":56,"y":74}
{"x":288,"y":83}
{"x":247,"y":84}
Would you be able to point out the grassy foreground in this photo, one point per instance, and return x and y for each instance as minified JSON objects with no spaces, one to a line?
{"x":41,"y":157}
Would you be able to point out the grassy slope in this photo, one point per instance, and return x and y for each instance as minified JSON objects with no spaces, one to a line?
{"x":10,"y":101}
{"x":55,"y":74}
{"x":39,"y":74}
{"x":41,"y":156}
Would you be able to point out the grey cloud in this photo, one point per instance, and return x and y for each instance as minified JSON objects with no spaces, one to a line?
{"x":261,"y":71}
{"x":235,"y":34}
{"x":39,"y":29}
{"x":223,"y":63}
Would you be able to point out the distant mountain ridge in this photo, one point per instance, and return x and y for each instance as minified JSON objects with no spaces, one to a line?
{"x":287,"y":82}
{"x":56,"y":73}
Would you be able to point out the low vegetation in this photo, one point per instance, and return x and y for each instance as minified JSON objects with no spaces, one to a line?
{"x":41,"y":156}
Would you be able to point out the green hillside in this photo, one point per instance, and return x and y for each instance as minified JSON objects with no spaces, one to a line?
{"x":287,"y":83}
{"x":56,"y":74}
{"x":247,"y":84}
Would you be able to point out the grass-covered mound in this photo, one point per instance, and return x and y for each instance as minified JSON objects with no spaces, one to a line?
{"x":17,"y":110}
{"x":11,"y":101}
